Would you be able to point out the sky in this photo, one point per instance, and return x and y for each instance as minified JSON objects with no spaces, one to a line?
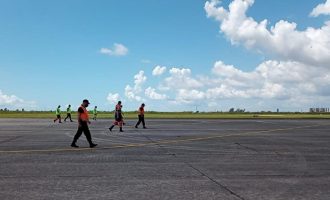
{"x":187,"y":55}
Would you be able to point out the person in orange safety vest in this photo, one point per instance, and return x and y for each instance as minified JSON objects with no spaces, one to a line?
{"x":141,"y":116}
{"x":83,"y":121}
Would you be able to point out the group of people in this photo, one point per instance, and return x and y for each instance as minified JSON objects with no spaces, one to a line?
{"x":83,"y":120}
{"x":69,"y":112}
{"x":119,"y":119}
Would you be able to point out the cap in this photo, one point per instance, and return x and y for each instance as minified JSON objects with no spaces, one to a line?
{"x":86,"y":101}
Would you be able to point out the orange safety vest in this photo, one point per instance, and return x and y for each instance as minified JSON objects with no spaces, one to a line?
{"x":83,"y":116}
{"x":141,"y":111}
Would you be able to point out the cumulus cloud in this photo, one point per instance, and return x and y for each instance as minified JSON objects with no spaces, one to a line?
{"x":133,"y":93}
{"x":152,"y":94}
{"x":116,"y":50}
{"x":113,"y":98}
{"x":189,"y":96}
{"x":15,"y":102}
{"x":282,"y":40}
{"x":321,"y":9}
{"x":296,"y":70}
{"x":181,"y":77}
{"x":158,"y":70}
{"x":9,"y":99}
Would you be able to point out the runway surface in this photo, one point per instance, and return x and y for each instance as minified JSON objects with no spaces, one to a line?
{"x":172,"y":159}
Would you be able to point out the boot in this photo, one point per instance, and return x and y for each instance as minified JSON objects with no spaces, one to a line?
{"x":121,"y":129}
{"x":92,"y":145}
{"x":73,"y":144}
{"x":111,"y":128}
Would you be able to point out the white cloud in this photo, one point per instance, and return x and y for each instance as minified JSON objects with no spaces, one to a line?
{"x":117,"y":50}
{"x":189,"y":96}
{"x":158,"y":70}
{"x":321,"y":9}
{"x":181,"y":78}
{"x":295,"y":74}
{"x":13,"y":101}
{"x":113,"y":98}
{"x":133,"y":93}
{"x":9,"y":99}
{"x":282,"y":40}
{"x":152,"y":94}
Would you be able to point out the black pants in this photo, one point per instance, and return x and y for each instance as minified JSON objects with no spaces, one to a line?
{"x":68,"y":115}
{"x":141,"y":119}
{"x":83,"y":128}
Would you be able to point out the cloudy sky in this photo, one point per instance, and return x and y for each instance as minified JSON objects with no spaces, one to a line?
{"x":172,"y":55}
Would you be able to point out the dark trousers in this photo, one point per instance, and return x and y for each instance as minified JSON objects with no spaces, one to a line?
{"x":68,"y":115}
{"x":83,"y":128}
{"x":141,"y":119}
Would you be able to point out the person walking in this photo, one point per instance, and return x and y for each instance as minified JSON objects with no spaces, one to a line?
{"x":68,"y":113}
{"x":83,"y":121}
{"x":95,"y":113}
{"x":58,"y":114}
{"x":141,"y":117}
{"x":119,"y":121}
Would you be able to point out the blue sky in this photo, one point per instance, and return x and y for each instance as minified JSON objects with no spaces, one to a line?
{"x":50,"y":54}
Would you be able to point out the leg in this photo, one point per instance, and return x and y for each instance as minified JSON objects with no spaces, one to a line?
{"x":138,"y":123}
{"x":88,"y":136}
{"x":121,"y":126}
{"x":113,"y":125}
{"x":70,"y":118}
{"x":67,"y":116}
{"x":76,"y":137}
{"x":143,"y":122}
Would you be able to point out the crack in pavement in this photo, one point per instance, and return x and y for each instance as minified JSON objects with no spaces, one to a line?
{"x":246,"y":147}
{"x":196,"y":169}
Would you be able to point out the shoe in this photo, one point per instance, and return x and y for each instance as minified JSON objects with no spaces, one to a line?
{"x":92,"y":145}
{"x":74,"y":145}
{"x":145,"y":127}
{"x":111,"y":128}
{"x":136,"y":127}
{"x":121,"y":130}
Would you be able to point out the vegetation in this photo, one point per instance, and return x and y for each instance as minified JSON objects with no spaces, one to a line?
{"x":175,"y":115}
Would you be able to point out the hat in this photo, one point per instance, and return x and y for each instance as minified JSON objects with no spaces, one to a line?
{"x":86,"y":101}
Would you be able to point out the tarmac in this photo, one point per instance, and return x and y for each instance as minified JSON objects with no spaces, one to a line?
{"x":172,"y":159}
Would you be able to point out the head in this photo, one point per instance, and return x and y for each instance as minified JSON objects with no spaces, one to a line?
{"x":69,"y":106}
{"x":85,"y":103}
{"x":119,"y":102}
{"x":142,"y":105}
{"x":95,"y":107}
{"x":58,"y":106}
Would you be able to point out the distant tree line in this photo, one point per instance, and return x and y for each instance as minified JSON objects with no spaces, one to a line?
{"x":319,"y":110}
{"x":238,"y":110}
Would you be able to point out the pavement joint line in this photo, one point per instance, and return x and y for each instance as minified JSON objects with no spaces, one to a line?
{"x":152,"y":143}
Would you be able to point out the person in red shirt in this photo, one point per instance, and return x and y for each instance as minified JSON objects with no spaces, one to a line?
{"x":141,"y":116}
{"x":119,"y":121}
{"x":83,"y":121}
